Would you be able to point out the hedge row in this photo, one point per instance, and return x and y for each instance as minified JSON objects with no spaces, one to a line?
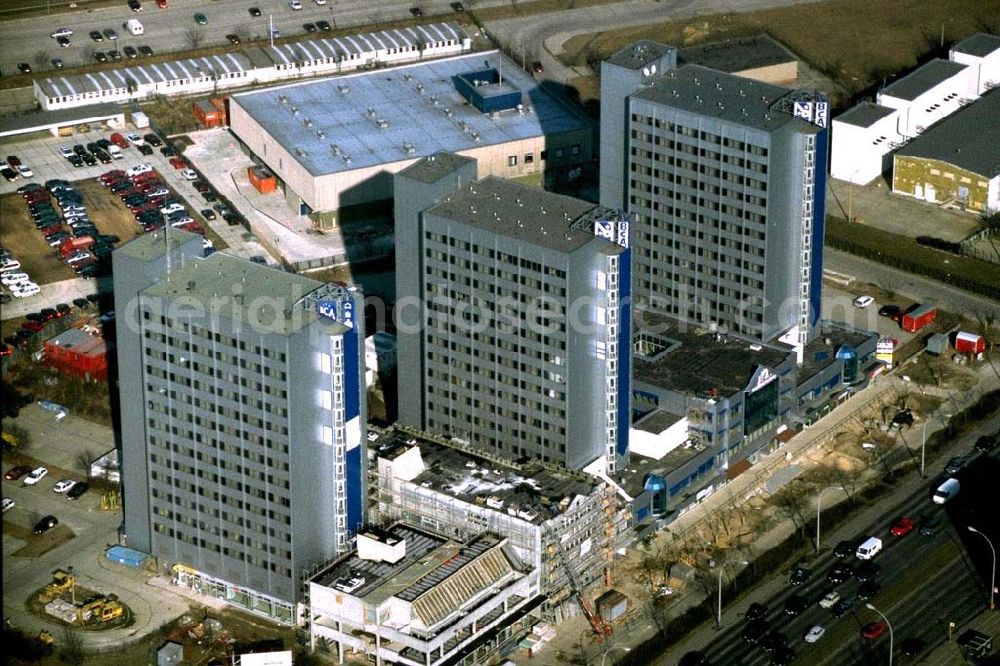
{"x":969,"y":273}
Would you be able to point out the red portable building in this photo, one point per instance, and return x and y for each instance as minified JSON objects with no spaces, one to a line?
{"x":969,"y":343}
{"x":206,"y":114}
{"x":262,"y":179}
{"x":77,"y":353}
{"x":917,"y":318}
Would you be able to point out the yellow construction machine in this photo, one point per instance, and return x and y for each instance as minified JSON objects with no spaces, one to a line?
{"x":61,"y":582}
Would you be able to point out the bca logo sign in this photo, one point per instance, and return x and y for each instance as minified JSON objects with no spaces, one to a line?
{"x":340,"y":311}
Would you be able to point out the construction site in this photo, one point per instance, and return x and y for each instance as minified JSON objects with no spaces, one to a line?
{"x":516,"y":546}
{"x":73,"y":605}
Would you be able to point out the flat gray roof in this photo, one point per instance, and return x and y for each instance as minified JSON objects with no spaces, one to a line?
{"x":695,"y":362}
{"x":390,"y":115}
{"x":434,"y":167}
{"x":639,"y":54}
{"x":150,"y":246}
{"x":865,"y":114}
{"x":248,"y":59}
{"x":528,"y":214}
{"x":269,"y":295}
{"x":39,"y":120}
{"x":979,"y":45}
{"x":532,"y":487}
{"x":968,"y":138}
{"x":737,"y":55}
{"x":716,"y":94}
{"x":922,"y":79}
{"x":821,"y":351}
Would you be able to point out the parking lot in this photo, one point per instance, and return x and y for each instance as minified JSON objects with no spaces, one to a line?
{"x":84,"y":532}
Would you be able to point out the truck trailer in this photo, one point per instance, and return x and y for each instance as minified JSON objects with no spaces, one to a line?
{"x":918,"y":318}
{"x":969,"y":343}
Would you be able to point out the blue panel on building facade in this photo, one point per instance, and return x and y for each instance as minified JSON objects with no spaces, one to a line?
{"x":818,"y":228}
{"x":624,"y":350}
{"x":355,"y":488}
{"x":352,"y":390}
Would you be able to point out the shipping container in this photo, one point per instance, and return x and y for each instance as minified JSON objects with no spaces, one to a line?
{"x":127,"y":556}
{"x":969,"y":343}
{"x":262,"y":179}
{"x":71,"y":245}
{"x":140,"y":119}
{"x":917,"y":318}
{"x":937,"y":344}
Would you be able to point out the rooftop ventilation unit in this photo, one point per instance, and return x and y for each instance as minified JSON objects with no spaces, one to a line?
{"x":409,"y":148}
{"x":306,"y":122}
{"x":520,"y":109}
{"x":420,"y":88}
{"x":300,"y":152}
{"x":295,"y":110}
{"x":382,"y":123}
{"x":344,"y":89}
{"x":495,"y":115}
{"x":282,"y":99}
{"x":434,"y":100}
{"x":346,"y":159}
{"x":462,"y":125}
{"x":447,"y":111}
{"x":475,"y":136}
{"x":335,"y":149}
{"x":321,"y":134}
{"x":408,"y":77}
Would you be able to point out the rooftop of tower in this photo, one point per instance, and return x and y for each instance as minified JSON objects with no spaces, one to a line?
{"x":715,"y":94}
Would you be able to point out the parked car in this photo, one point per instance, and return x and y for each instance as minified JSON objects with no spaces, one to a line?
{"x":755,"y":611}
{"x":796,"y":604}
{"x":987,"y":443}
{"x":8,"y":504}
{"x":63,"y":487}
{"x":830,"y":599}
{"x":16,"y":472}
{"x":954,"y":465}
{"x":189,"y":174}
{"x":754,"y":631}
{"x":45,"y":524}
{"x":35,"y":475}
{"x":866,"y":571}
{"x":868,"y":589}
{"x":78,"y":489}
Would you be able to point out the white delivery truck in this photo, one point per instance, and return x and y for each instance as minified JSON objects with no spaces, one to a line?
{"x":115,"y":152}
{"x":869,"y":549}
{"x":946,"y":491}
{"x":133,"y":26}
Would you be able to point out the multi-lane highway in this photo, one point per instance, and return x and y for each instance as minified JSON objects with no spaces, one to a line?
{"x":926,"y":581}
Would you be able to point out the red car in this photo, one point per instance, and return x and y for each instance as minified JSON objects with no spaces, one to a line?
{"x":119,"y":140}
{"x":16,"y":472}
{"x":33,"y":326}
{"x":902,"y":526}
{"x":178,"y":163}
{"x":873,"y":630}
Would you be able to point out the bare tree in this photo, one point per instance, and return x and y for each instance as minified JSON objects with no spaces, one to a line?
{"x":41,"y":58}
{"x":794,"y":504}
{"x":71,"y":647}
{"x":83,"y":460}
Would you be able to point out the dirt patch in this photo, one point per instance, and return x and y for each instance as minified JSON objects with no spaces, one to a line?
{"x":941,"y":372}
{"x":39,"y":544}
{"x":18,"y":234}
{"x":854,"y":42}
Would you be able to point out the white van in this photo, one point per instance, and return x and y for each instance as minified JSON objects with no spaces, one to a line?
{"x":946,"y":491}
{"x":133,"y":26}
{"x":869,"y":549}
{"x":115,"y":152}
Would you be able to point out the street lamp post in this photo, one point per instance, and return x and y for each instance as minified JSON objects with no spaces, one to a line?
{"x":718,"y":617}
{"x":888,"y":624}
{"x":819,"y":505}
{"x":611,"y":649}
{"x":923,"y":447}
{"x":993,"y":574}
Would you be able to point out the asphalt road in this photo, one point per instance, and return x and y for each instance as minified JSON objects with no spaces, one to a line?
{"x":174,"y":29}
{"x":926,"y":582}
{"x":913,"y":286}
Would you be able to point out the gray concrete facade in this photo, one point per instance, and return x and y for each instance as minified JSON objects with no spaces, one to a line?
{"x":726,"y":188}
{"x":243,"y":403}
{"x":523,"y":313}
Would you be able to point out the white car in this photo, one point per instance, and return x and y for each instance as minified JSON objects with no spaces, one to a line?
{"x":14,"y":277}
{"x":10,"y":265}
{"x":61,"y":32}
{"x":25,"y":289}
{"x":66,"y":151}
{"x":189,"y":174}
{"x":8,"y":504}
{"x":206,"y":244}
{"x":172,"y":208}
{"x":815,"y":633}
{"x":25,"y":170}
{"x":863,"y":301}
{"x":63,"y":486}
{"x":320,"y":2}
{"x":158,"y":192}
{"x":295,"y":4}
{"x":829,"y":600}
{"x":138,"y":169}
{"x":77,"y":257}
{"x":135,"y":139}
{"x":180,"y":222}
{"x":35,"y":475}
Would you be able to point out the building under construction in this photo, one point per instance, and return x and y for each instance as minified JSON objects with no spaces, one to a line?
{"x":564,"y":524}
